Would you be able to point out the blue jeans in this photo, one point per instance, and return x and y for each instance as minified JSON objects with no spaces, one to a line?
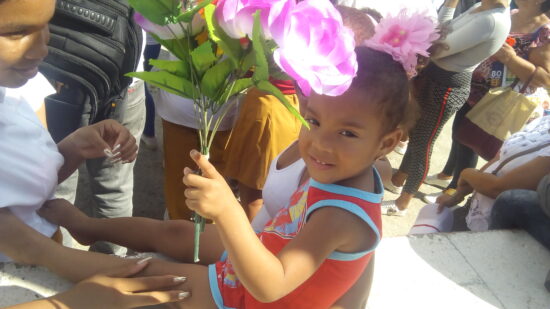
{"x":112,"y":184}
{"x":520,"y":209}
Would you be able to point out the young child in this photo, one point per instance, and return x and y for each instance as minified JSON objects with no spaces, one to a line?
{"x":313,"y":251}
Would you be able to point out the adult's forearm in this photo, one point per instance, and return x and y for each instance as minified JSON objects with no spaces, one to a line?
{"x":484,"y":183}
{"x":72,"y":159}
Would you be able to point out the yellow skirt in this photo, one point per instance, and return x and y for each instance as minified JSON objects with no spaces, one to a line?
{"x":178,"y":142}
{"x":263,"y":129}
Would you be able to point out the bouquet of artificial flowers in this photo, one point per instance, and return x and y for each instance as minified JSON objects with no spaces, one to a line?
{"x":217,"y":44}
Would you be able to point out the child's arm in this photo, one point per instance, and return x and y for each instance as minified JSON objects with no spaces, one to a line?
{"x":328,"y":229}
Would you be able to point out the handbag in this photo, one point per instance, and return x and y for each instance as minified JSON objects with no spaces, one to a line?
{"x":500,"y":113}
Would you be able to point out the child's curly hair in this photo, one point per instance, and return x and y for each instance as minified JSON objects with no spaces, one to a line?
{"x":385,"y":84}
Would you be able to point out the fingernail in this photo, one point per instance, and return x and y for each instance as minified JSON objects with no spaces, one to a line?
{"x":107,"y":152}
{"x":183,"y":295}
{"x":194,"y":152}
{"x":186,"y":171}
{"x":116,"y":147}
{"x":180,"y":279}
{"x":144,"y":260}
{"x":114,"y":161}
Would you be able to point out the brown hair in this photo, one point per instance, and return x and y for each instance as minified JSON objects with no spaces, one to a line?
{"x":385,"y":84}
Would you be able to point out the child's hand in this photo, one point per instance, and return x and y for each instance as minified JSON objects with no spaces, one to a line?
{"x":209,"y":195}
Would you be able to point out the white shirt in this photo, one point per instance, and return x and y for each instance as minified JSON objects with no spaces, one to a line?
{"x":534,"y":134}
{"x":472,"y":38}
{"x":29,"y":159}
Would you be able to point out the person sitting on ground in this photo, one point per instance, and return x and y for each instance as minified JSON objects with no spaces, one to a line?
{"x":522,"y":162}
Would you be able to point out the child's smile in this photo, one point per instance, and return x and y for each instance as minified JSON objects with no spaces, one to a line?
{"x":344,"y":139}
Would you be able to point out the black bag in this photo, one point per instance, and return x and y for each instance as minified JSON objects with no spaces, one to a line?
{"x":93,"y":44}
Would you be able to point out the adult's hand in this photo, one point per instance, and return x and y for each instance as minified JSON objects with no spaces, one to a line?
{"x":113,"y":289}
{"x":104,"y":138}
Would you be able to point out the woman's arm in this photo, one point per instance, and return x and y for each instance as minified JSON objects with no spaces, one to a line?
{"x":114,"y":290}
{"x":447,"y":11}
{"x":525,"y":176}
{"x":539,"y":57}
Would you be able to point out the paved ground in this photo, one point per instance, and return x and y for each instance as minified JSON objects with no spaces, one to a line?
{"x":149,"y":202}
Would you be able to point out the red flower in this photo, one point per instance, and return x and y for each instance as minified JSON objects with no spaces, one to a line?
{"x":511,"y":41}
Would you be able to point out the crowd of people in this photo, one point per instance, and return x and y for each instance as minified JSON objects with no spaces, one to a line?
{"x":305,"y":205}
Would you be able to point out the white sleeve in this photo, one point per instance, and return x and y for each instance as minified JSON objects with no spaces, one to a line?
{"x":461,"y":39}
{"x":445,"y":14}
{"x":35,"y":90}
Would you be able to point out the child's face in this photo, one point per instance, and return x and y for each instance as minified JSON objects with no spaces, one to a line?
{"x":345,"y":137}
{"x":23,"y":38}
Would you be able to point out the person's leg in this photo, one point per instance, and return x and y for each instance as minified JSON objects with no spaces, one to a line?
{"x":520,"y":209}
{"x":466,"y":158}
{"x":436,"y":110}
{"x":449,"y":167}
{"x":112,"y":184}
{"x":173,"y":238}
{"x":150,"y":52}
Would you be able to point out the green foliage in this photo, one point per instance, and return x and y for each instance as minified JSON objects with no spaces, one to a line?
{"x":177,"y":67}
{"x":231,"y":47}
{"x":203,"y":57}
{"x":187,"y":16}
{"x":177,"y":47}
{"x":237,"y":86}
{"x":160,"y":12}
{"x":169,"y":82}
{"x":269,"y":88}
{"x":215,"y":78}
{"x":261,"y":70}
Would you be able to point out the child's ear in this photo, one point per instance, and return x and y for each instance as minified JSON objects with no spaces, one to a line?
{"x":389,"y":141}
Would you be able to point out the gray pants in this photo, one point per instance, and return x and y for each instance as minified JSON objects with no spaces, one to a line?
{"x":112,"y":185}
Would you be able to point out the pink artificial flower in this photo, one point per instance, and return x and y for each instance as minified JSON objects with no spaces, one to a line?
{"x":237,"y":20}
{"x":405,"y":37}
{"x":315,"y":48}
{"x":170,"y":31}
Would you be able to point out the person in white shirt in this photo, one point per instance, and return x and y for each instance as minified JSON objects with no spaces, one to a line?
{"x":31,"y":166}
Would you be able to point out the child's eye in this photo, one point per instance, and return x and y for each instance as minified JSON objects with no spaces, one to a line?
{"x":347,"y":133}
{"x":312,"y":121}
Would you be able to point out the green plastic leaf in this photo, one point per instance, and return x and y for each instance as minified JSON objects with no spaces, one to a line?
{"x":169,"y":82}
{"x":248,"y":61}
{"x":188,"y":15}
{"x":269,"y":88}
{"x":238,"y":86}
{"x":176,"y":67}
{"x":261,"y":70}
{"x":176,"y":47}
{"x":231,"y":47}
{"x":215,"y":78}
{"x":160,"y":12}
{"x":203,"y":57}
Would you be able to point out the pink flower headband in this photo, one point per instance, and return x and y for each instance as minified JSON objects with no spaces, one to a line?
{"x":404,"y":37}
